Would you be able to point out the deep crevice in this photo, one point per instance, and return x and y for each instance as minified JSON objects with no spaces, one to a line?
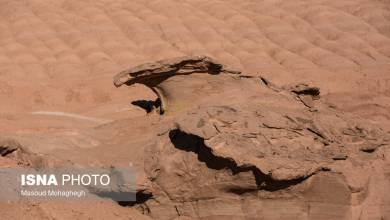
{"x":265,"y":81}
{"x":371,"y":150}
{"x":4,"y":151}
{"x":8,"y":147}
{"x":193,"y":143}
{"x":316,"y":132}
{"x":312,"y":91}
{"x":147,"y":105}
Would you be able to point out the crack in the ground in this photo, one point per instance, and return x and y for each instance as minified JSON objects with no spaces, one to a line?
{"x":194,"y":143}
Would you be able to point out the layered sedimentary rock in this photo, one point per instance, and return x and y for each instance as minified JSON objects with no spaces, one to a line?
{"x":157,"y":76}
{"x":239,"y":147}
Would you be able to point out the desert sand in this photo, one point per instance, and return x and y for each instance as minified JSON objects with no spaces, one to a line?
{"x":58,"y":60}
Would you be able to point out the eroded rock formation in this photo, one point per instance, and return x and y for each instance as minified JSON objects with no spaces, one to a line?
{"x":156,"y":75}
{"x":238,"y":147}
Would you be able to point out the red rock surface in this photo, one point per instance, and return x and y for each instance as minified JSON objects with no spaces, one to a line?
{"x":320,"y":156}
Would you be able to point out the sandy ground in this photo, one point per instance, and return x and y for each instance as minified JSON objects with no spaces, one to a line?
{"x":58,"y":57}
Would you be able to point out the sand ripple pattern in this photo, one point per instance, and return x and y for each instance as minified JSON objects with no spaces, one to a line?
{"x":63,"y":46}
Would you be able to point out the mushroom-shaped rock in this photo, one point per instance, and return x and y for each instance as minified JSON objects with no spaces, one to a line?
{"x":159,"y":76}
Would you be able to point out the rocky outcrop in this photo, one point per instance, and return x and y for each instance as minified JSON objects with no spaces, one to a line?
{"x":243,"y":148}
{"x":153,"y":75}
{"x":229,"y":154}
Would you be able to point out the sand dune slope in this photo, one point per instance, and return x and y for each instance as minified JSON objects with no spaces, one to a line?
{"x":60,"y":54}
